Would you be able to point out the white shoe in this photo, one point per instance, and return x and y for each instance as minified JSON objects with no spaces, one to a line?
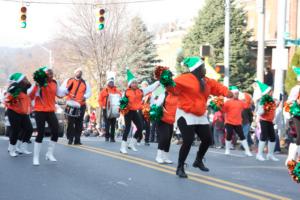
{"x":270,"y":155}
{"x":132,"y":144}
{"x":123,"y":148}
{"x":18,"y":146}
{"x":166,"y":159}
{"x":293,"y":148}
{"x":49,"y":154}
{"x":12,"y":151}
{"x":36,"y":153}
{"x":227,"y":147}
{"x":24,"y":148}
{"x":259,"y":155}
{"x":159,"y":158}
{"x":246,"y":147}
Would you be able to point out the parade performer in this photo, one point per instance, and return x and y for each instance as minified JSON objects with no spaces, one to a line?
{"x":193,"y":89}
{"x":133,"y":96}
{"x":294,"y":101}
{"x":144,"y":113}
{"x":78,"y":90}
{"x":233,"y":109}
{"x":43,"y":94}
{"x":18,"y":106}
{"x":110,"y":121}
{"x":266,"y":109}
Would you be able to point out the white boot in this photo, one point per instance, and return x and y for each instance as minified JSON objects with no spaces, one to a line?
{"x":166,"y":157}
{"x":132,"y":144}
{"x":36,"y":153}
{"x":9,"y":147}
{"x":12,"y":151}
{"x":159,"y":157}
{"x":18,"y":146}
{"x":246,"y":147}
{"x":123,"y":148}
{"x":227,"y":147}
{"x":24,"y":148}
{"x":49,"y":154}
{"x":293,"y":148}
{"x":270,"y":155}
{"x":259,"y":155}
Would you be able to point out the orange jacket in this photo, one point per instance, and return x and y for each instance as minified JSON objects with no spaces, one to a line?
{"x":72,"y":85}
{"x":135,"y":98}
{"x":190,"y":98}
{"x":45,"y":100}
{"x":268,"y":116}
{"x":104,"y":94}
{"x":20,"y":105}
{"x":233,"y":109}
{"x":170,"y":107}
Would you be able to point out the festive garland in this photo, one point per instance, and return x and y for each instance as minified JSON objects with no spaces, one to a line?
{"x":124,"y":105}
{"x":14,"y":89}
{"x":156,"y":112}
{"x":164,"y":75}
{"x":268,"y":103}
{"x":146,"y":111}
{"x":295,"y":109}
{"x":216,"y":103}
{"x":294,"y":170}
{"x":40,"y":77}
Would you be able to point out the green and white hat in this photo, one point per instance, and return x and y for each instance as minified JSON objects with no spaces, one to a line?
{"x":233,"y":88}
{"x":297,"y":72}
{"x":16,"y":77}
{"x":192,"y":62}
{"x":264,"y":88}
{"x":44,"y":68}
{"x":130,"y":76}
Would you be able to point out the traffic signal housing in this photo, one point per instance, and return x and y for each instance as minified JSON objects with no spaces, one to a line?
{"x":219,"y":68}
{"x":101,"y":19}
{"x":23,"y":17}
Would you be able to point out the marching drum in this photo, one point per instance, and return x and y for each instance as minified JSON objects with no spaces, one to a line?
{"x":72,"y":109}
{"x":112,"y":106}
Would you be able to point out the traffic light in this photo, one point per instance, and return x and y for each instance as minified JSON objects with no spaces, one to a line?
{"x":101,"y":19}
{"x":23,"y":17}
{"x":219,"y":68}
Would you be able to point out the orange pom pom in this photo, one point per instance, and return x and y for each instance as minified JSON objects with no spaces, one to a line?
{"x":158,"y":71}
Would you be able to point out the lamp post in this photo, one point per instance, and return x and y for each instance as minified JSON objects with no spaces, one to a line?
{"x":227,"y":43}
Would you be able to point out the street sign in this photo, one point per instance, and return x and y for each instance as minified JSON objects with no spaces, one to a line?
{"x":280,"y":59}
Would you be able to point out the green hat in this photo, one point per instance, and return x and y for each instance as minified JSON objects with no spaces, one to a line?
{"x":192,"y":62}
{"x":297,"y":72}
{"x":130,"y":76}
{"x":264,"y":88}
{"x":233,"y":88}
{"x":44,"y":68}
{"x":16,"y":77}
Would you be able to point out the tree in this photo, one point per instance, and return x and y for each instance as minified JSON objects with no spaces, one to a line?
{"x":140,"y":52}
{"x":209,"y":29}
{"x":291,"y":78}
{"x":179,"y":68}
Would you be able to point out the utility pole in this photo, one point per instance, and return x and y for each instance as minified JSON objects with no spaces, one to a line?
{"x":227,"y":43}
{"x":260,"y":4}
{"x":280,"y":48}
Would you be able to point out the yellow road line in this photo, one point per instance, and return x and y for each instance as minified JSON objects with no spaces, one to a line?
{"x":171,"y":170}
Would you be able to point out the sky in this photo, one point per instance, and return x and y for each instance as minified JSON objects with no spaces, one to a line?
{"x":43,"y":19}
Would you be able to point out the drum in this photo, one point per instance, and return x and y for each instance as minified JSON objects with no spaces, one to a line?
{"x":112,"y":106}
{"x":72,"y":109}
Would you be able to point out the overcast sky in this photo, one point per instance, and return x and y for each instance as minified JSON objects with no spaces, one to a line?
{"x":42,"y":22}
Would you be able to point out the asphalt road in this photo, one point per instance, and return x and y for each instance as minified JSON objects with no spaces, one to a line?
{"x":97,"y":171}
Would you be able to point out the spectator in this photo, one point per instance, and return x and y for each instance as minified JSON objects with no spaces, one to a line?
{"x":218,"y":124}
{"x":268,"y":78}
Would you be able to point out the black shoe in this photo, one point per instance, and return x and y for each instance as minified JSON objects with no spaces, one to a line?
{"x":180,"y":171}
{"x":112,"y":140}
{"x":78,"y":143}
{"x":70,"y":142}
{"x":147,"y":144}
{"x":106,"y":139}
{"x":199,"y":164}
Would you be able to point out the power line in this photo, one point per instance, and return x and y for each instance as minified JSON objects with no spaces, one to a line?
{"x":81,"y":4}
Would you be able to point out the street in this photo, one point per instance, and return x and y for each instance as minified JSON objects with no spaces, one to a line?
{"x":97,"y":171}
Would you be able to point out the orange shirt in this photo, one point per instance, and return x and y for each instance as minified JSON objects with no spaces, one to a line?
{"x":170,"y":107}
{"x":20,"y":105}
{"x":104,"y":94}
{"x":45,"y":100}
{"x":233,"y":109}
{"x":72,"y":84}
{"x":190,"y":98}
{"x":135,"y":98}
{"x":268,"y":116}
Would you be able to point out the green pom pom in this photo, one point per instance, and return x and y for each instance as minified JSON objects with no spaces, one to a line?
{"x":166,"y":78}
{"x":123,"y":102}
{"x":266,"y":99}
{"x":295,"y":109}
{"x":14,"y":89}
{"x":214,"y":106}
{"x":40,"y":77}
{"x":156,"y":113}
{"x":296,"y":170}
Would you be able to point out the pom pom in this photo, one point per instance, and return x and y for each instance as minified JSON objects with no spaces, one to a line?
{"x":268,"y":103}
{"x":294,"y":170}
{"x":14,"y":90}
{"x":158,"y":71}
{"x":216,"y":103}
{"x":146,"y":112}
{"x":166,"y":78}
{"x":124,"y":105}
{"x":287,"y":107}
{"x":156,"y":113}
{"x":295,"y":109}
{"x":40,"y":77}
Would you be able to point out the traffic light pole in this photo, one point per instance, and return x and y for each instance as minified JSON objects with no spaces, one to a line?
{"x":227,"y":43}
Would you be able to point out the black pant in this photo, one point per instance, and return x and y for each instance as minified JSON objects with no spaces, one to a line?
{"x":75,"y":126}
{"x":165,"y":132}
{"x":110,"y":126}
{"x":51,"y":119}
{"x":230,"y":129}
{"x":296,"y":121}
{"x":21,"y":127}
{"x":153,"y":132}
{"x":267,"y":131}
{"x":188,"y":136}
{"x":146,"y":127}
{"x":135,"y":117}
